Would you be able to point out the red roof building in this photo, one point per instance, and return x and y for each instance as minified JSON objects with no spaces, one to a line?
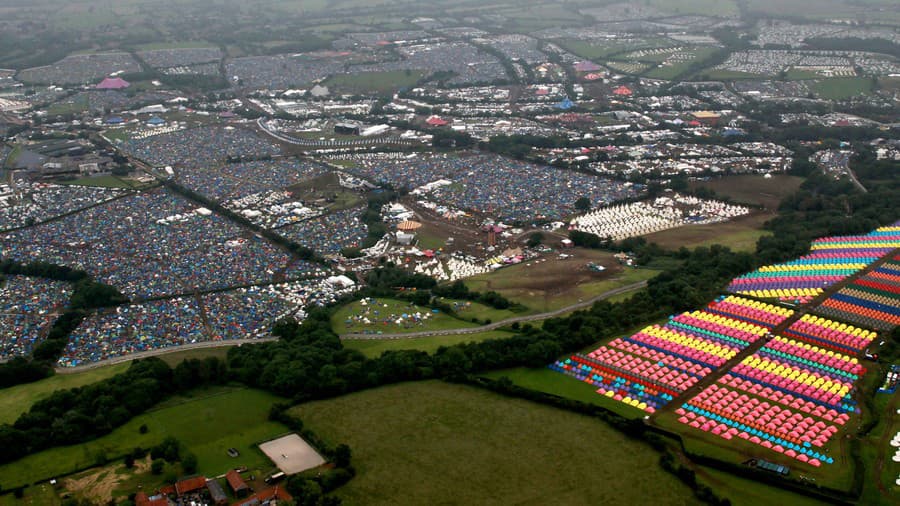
{"x":113,"y":83}
{"x":622,"y":91}
{"x":275,"y":495}
{"x":237,"y":484}
{"x":188,"y":485}
{"x":141,"y":499}
{"x":436,"y":121}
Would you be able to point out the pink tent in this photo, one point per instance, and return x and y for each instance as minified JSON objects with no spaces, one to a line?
{"x":113,"y":83}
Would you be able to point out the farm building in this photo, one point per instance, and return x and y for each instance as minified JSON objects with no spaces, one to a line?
{"x":236,"y":483}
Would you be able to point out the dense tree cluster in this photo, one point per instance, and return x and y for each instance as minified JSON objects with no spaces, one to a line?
{"x":81,"y":414}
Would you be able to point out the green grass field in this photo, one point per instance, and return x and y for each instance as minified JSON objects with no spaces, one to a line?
{"x":188,"y":44}
{"x":754,"y":189}
{"x":343,"y":321}
{"x":18,"y":399}
{"x":721,"y":8}
{"x":739,"y":235}
{"x":373,"y":82}
{"x":207,"y":423}
{"x":375,"y":347}
{"x":722,"y":74}
{"x":840,"y":88}
{"x":38,"y":495}
{"x":438,"y":443}
{"x":467,"y":310}
{"x":745,"y":492}
{"x":552,"y":382}
{"x":100,"y":181}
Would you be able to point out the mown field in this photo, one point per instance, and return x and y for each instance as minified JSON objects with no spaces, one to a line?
{"x":754,"y":189}
{"x":379,"y":82}
{"x":438,"y":443}
{"x":207,"y":423}
{"x":841,"y":88}
{"x":555,"y":383}
{"x":740,"y":234}
{"x":375,"y":347}
{"x":701,"y":7}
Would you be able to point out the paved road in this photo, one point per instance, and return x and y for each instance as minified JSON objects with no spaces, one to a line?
{"x":503,"y":323}
{"x":468,"y":330}
{"x":161,"y":351}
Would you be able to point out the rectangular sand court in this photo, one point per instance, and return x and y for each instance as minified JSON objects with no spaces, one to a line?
{"x":292,"y":454}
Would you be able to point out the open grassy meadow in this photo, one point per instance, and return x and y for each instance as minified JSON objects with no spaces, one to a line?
{"x":379,"y":82}
{"x":375,"y":347}
{"x":746,"y":492}
{"x":841,"y":88}
{"x":754,"y":189}
{"x":552,"y":382}
{"x":739,"y":234}
{"x":439,"y":443}
{"x":700,"y":7}
{"x":18,"y":399}
{"x":207,"y":424}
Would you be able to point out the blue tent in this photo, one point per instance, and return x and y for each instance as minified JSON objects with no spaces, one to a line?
{"x":566,"y":104}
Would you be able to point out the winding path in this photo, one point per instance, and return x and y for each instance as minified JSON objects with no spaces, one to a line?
{"x":503,"y":323}
{"x":467,"y":330}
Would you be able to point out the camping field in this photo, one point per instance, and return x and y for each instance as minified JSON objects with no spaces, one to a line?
{"x":207,"y":423}
{"x":345,"y":319}
{"x":409,"y":442}
{"x":838,"y":475}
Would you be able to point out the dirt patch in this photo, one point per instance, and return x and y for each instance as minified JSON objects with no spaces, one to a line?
{"x":98,"y":485}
